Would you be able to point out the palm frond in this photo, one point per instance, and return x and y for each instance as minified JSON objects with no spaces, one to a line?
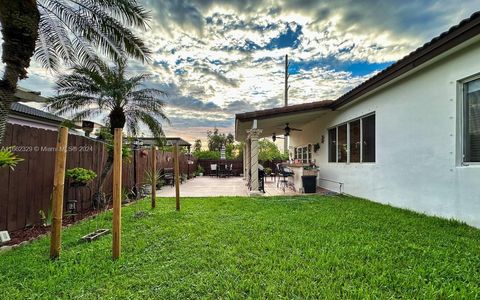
{"x":129,"y":12}
{"x":68,"y":103}
{"x":69,"y":27}
{"x":152,"y":123}
{"x":56,"y":34}
{"x":86,"y":114}
{"x":45,"y":54}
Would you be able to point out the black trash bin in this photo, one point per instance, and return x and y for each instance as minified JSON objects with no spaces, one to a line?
{"x":261,"y":180}
{"x":309,"y":184}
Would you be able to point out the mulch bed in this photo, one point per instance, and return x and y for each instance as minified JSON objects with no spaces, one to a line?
{"x":33,"y":232}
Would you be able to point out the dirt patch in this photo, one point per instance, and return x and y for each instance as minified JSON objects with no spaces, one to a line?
{"x":33,"y":232}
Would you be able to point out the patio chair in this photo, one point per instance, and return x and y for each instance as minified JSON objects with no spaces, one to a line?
{"x":261,"y":179}
{"x":222,"y":170}
{"x":213,"y":170}
{"x":168,"y":176}
{"x":284,"y":174}
{"x":228,"y":170}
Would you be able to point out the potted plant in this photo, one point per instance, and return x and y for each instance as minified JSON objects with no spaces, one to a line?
{"x":46,"y":217}
{"x":150,"y":177}
{"x":268,"y":171}
{"x":148,"y":180}
{"x":80,"y":176}
{"x":8,"y":158}
{"x":200,"y":170}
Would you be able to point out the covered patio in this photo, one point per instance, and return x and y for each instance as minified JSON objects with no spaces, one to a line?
{"x":251,"y":126}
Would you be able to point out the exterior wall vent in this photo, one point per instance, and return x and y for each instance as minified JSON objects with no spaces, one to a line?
{"x":4,"y":237}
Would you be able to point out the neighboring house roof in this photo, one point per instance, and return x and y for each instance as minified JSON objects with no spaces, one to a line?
{"x":456,"y":35}
{"x":33,"y":113}
{"x":25,"y":95}
{"x":170,"y":141}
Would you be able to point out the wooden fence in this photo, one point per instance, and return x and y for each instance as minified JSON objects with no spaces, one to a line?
{"x":237,"y":165}
{"x":27,"y":189}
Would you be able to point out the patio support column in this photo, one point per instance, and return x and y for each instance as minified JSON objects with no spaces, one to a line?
{"x":247,"y":159}
{"x":254,"y":133}
{"x":244,"y":170}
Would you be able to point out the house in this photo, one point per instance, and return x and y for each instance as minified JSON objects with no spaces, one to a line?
{"x":90,"y":128}
{"x":408,"y":136}
{"x":22,"y":114}
{"x":25,"y":115}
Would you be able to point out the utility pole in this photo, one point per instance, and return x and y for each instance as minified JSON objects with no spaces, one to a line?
{"x":287,"y":87}
{"x":286,"y":80}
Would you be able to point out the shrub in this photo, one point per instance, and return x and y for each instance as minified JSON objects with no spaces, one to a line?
{"x":80,"y":175}
{"x":126,"y":151}
{"x":207,"y":154}
{"x":46,"y":217}
{"x":9,"y":159}
{"x":150,"y":176}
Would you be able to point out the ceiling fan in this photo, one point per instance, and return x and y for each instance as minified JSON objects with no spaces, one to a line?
{"x":274,"y":137}
{"x":288,"y":129}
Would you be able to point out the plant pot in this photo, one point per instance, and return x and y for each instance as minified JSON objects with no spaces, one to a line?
{"x":77,"y":184}
{"x":310,"y":172}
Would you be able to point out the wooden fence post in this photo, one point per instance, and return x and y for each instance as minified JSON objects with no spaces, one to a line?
{"x":177,"y":176}
{"x":154,"y":176}
{"x":58,"y":189}
{"x":117,"y":192}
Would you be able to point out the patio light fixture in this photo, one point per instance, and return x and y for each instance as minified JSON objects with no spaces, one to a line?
{"x":72,"y":207}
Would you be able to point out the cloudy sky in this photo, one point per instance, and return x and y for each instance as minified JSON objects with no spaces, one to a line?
{"x":218,"y":58}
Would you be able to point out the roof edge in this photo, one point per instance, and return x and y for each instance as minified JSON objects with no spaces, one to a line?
{"x":284,"y":110}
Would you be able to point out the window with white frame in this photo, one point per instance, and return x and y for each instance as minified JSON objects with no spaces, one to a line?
{"x":303,"y":153}
{"x":471,"y":121}
{"x":353,"y":142}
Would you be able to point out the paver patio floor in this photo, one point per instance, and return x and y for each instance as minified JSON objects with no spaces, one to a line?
{"x":206,"y":186}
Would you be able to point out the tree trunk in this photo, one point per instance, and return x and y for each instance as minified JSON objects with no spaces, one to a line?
{"x":19,"y":20}
{"x":7,"y":91}
{"x":117,"y":120}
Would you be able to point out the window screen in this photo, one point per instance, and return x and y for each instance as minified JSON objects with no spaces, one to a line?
{"x":342,"y":143}
{"x":355,"y":141}
{"x":472,"y":121}
{"x":368,"y":143}
{"x":332,"y":145}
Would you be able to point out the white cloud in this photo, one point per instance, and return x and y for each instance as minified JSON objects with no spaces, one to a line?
{"x":213,"y":57}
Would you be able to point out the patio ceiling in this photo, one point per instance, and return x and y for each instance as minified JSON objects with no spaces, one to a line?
{"x":275,"y":123}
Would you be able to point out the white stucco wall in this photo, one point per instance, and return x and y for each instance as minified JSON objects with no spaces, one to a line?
{"x":416,"y":144}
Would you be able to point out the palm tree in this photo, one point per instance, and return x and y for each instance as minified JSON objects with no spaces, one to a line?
{"x":90,"y":91}
{"x":64,"y":31}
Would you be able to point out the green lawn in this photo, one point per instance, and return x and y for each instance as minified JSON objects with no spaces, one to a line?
{"x":284,"y":247}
